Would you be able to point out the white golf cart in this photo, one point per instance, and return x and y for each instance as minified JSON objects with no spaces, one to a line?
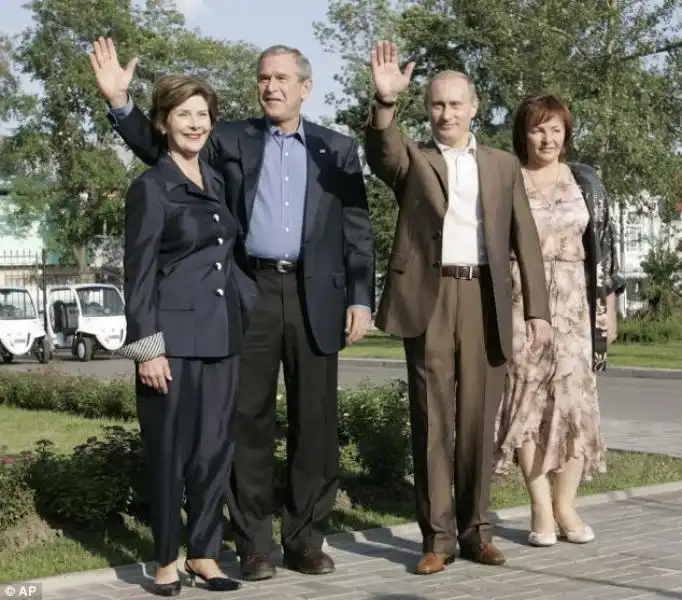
{"x":21,"y":329}
{"x":86,"y":318}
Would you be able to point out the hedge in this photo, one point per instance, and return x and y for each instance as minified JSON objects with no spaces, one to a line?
{"x":646,"y":330}
{"x":105,"y":476}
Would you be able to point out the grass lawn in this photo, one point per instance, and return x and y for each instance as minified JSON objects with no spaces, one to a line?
{"x":20,"y":429}
{"x":658,"y":356}
{"x":362,"y":504}
{"x":664,"y":356}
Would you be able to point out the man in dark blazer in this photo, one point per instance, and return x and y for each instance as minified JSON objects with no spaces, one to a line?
{"x":298,"y":192}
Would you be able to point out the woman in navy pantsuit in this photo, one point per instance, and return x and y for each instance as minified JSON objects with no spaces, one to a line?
{"x":186,"y":299}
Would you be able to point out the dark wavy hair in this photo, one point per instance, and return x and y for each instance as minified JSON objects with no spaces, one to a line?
{"x":534,"y":110}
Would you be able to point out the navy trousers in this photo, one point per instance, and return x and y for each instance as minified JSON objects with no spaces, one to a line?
{"x":187,"y":436}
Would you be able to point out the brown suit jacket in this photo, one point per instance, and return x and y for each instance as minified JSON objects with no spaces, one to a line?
{"x":418,"y":176}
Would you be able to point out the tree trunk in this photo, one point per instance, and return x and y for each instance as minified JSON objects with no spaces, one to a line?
{"x":613,"y":23}
{"x":79,"y":253}
{"x":622,"y":208}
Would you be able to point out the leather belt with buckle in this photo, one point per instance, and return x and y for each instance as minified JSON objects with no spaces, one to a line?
{"x":461,"y":271}
{"x":267,"y":264}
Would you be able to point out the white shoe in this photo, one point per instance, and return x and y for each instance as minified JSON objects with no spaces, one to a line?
{"x":541,"y":540}
{"x":581,"y":536}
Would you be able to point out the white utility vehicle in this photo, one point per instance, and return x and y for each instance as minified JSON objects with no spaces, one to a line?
{"x":21,"y":328}
{"x":86,"y":318}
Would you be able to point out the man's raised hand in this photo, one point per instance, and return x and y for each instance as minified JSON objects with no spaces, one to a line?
{"x":389,"y":80}
{"x":112,"y":79}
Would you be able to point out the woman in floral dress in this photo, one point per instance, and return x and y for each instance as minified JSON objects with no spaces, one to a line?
{"x":549,"y":416}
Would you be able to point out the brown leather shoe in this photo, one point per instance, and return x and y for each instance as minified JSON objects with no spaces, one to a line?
{"x":257,"y":567}
{"x":312,"y":561}
{"x":485,"y":553}
{"x":433,"y":562}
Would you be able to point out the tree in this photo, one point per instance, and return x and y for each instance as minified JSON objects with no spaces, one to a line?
{"x":64,"y":156}
{"x":617,"y":64}
{"x":663,"y":287}
{"x":8,"y":81}
{"x":353,"y":27}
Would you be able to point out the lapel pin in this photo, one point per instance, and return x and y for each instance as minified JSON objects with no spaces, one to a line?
{"x":323,"y":151}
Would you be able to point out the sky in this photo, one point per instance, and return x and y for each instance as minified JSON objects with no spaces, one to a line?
{"x":229,"y":20}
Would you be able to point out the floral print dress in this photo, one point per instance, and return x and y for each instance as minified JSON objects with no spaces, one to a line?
{"x":551,"y":394}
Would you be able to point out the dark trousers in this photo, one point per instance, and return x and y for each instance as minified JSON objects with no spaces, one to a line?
{"x":456,"y":378}
{"x":187,"y":436}
{"x":277,"y":334}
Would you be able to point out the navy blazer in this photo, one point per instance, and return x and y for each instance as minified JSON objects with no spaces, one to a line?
{"x":338,"y":242}
{"x":186,"y":293}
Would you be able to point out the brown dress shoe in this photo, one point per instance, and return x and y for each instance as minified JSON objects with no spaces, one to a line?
{"x":485,"y":553}
{"x":257,"y":567}
{"x":312,"y":561}
{"x":433,"y":562}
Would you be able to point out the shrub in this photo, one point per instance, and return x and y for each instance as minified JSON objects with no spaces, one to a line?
{"x":16,"y":496}
{"x":646,"y":330}
{"x":106,"y":476}
{"x":100,"y":479}
{"x":46,"y":389}
{"x":377,"y":421}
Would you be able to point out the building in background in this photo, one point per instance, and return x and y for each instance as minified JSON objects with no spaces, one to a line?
{"x":20,"y":252}
{"x":23,"y":256}
{"x":641,"y":228}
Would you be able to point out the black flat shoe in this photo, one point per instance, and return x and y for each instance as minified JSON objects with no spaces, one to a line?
{"x":166,"y":589}
{"x":216,"y":584}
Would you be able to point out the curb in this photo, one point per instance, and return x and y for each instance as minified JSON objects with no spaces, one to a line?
{"x":639,"y":372}
{"x":112,"y":575}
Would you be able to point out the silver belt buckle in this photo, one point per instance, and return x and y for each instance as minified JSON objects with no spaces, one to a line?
{"x":469,"y":273}
{"x":283,"y":266}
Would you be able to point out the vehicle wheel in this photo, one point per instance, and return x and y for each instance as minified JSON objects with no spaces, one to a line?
{"x":84,"y":349}
{"x":42,"y":353}
{"x":7,"y":358}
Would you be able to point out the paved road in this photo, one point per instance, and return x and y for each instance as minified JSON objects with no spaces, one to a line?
{"x":637,"y":414}
{"x":637,"y":554}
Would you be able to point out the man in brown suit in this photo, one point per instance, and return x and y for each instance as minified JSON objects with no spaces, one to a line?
{"x":463,"y":211}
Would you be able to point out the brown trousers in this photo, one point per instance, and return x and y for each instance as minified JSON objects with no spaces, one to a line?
{"x":456,"y":376}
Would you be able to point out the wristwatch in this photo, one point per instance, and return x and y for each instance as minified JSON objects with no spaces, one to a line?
{"x":378,"y":100}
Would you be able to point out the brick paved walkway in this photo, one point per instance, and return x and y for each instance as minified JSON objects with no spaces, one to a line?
{"x":638,"y":554}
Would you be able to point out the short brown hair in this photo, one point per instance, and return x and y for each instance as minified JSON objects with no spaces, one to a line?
{"x":537,"y":109}
{"x":470,"y":82}
{"x":305,"y":71}
{"x":172,"y":90}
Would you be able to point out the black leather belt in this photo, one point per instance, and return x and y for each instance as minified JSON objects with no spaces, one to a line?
{"x":268,"y":264}
{"x":461,"y":271}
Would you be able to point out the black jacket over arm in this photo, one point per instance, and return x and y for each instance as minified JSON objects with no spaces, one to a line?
{"x":338,"y":242}
{"x":602,"y":272}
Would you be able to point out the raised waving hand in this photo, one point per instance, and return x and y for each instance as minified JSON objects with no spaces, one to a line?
{"x":113,"y":80}
{"x":389,"y":80}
